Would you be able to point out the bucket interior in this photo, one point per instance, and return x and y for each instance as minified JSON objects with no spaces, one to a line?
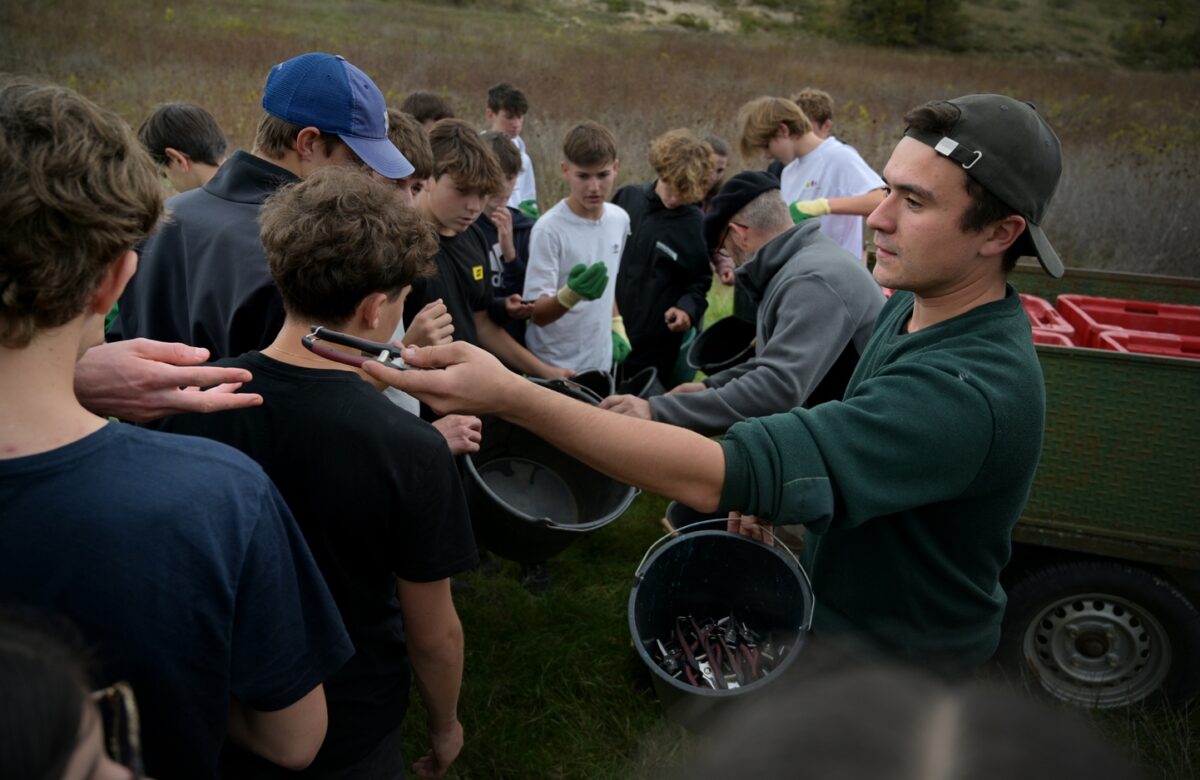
{"x":527,"y":478}
{"x":599,"y":382}
{"x":643,"y":384}
{"x":710,"y":574}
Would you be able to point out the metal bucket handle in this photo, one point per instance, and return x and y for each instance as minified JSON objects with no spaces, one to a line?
{"x":637,"y":574}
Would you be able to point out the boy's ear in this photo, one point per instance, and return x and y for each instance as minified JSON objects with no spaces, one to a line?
{"x":490,"y":114}
{"x":305,"y":143}
{"x":782,"y":131}
{"x":177,"y":157}
{"x":616,"y":166}
{"x":112,"y":282}
{"x":564,"y":168}
{"x":369,"y":310}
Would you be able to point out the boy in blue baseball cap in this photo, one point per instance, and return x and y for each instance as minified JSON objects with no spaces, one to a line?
{"x":203,"y":279}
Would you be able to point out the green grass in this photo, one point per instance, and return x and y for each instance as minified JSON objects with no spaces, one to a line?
{"x":553,"y":688}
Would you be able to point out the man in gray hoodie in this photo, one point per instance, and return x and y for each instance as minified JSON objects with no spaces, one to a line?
{"x":815,"y":308}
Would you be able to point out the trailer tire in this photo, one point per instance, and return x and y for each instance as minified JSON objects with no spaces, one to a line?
{"x":1101,"y":634}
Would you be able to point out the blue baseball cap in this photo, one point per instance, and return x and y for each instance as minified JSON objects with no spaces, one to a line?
{"x":327,"y":92}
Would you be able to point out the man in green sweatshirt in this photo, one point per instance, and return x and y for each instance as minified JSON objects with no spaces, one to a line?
{"x":911,"y":485}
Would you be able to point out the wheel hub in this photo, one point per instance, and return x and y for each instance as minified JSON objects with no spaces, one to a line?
{"x":1097,"y":650}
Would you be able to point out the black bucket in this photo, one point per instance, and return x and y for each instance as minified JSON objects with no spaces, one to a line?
{"x":725,"y":343}
{"x":599,"y":382}
{"x":713,"y":572}
{"x":680,"y":517}
{"x":643,"y":384}
{"x":530,"y":500}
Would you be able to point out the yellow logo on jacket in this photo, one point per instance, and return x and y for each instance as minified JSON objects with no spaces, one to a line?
{"x":477,"y":272}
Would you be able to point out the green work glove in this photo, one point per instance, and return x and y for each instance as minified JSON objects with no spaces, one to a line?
{"x":620,"y":339}
{"x":584,"y":283}
{"x":529,"y":208}
{"x":806,"y":209}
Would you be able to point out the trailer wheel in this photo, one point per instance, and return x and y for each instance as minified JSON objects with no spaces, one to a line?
{"x":1102,"y":634}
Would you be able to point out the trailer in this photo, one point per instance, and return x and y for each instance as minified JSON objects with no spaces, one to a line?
{"x":1105,"y":576}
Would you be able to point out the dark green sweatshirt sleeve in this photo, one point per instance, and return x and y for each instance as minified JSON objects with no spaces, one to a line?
{"x":912,"y":435}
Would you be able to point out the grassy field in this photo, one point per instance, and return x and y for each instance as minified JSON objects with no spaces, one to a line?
{"x":553,"y":689}
{"x":1131,"y":140}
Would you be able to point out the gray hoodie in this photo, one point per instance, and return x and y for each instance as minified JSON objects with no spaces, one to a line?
{"x":816,"y":308}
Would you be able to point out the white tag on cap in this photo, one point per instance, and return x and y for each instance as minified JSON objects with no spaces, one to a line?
{"x":946,"y":146}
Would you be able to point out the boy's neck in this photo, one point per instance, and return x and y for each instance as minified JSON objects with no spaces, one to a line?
{"x":807,"y":143}
{"x":40,"y":411}
{"x":288,"y":348}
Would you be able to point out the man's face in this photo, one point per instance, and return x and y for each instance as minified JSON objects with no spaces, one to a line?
{"x":590,"y":186}
{"x":505,"y":121}
{"x":720,"y":163}
{"x":919,"y":244}
{"x":452,"y":207}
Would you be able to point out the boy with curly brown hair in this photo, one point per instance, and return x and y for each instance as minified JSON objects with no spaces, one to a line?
{"x":665,"y":274}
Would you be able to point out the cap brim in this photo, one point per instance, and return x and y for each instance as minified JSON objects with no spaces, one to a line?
{"x":714,"y":225}
{"x":381,"y":156}
{"x":1045,"y":253}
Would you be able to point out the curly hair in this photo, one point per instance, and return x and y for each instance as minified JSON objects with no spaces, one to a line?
{"x":339,"y":236}
{"x":684,"y":162}
{"x":760,"y":119}
{"x":817,"y":104}
{"x":77,"y":190}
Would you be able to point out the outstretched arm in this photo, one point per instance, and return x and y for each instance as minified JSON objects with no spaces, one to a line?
{"x":663,"y":459}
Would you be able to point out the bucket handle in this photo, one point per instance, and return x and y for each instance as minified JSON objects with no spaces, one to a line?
{"x":637,"y":574}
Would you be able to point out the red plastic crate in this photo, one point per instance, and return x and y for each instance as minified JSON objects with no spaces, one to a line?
{"x":1146,"y":343}
{"x":1043,"y":316}
{"x":1052,"y":337}
{"x":1090,"y":316}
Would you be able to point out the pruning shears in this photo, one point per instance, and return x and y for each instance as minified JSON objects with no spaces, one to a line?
{"x":380,"y":352}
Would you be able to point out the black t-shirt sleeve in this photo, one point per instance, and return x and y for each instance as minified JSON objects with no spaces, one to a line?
{"x":435,"y":539}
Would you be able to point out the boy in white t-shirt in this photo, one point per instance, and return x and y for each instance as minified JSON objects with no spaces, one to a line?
{"x":506,"y":110}
{"x":574,"y":256}
{"x":821,"y":177}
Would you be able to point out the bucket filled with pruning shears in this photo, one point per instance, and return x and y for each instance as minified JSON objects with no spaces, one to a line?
{"x":717,"y":617}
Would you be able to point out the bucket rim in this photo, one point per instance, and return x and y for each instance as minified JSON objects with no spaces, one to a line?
{"x":546,"y":522}
{"x":802,"y":630}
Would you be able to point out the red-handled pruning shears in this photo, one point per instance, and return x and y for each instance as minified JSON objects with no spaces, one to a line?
{"x":387,"y":354}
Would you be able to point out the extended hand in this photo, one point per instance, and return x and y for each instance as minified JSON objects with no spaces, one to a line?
{"x":517,"y":310}
{"x":584,"y":283}
{"x":462,"y":432}
{"x":466,"y":379}
{"x":432,"y":325}
{"x":806,"y":209}
{"x":628,"y":405}
{"x":678,"y":320}
{"x":141,"y":380}
{"x":444,"y":746}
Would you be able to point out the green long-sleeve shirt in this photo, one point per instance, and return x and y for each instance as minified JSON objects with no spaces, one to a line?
{"x":910,"y":487}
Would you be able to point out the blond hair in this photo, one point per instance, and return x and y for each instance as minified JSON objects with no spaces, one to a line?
{"x":683,"y":162}
{"x":760,"y":119}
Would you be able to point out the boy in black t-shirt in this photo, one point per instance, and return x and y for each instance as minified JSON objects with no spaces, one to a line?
{"x":374,"y":488}
{"x":465,"y":175}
